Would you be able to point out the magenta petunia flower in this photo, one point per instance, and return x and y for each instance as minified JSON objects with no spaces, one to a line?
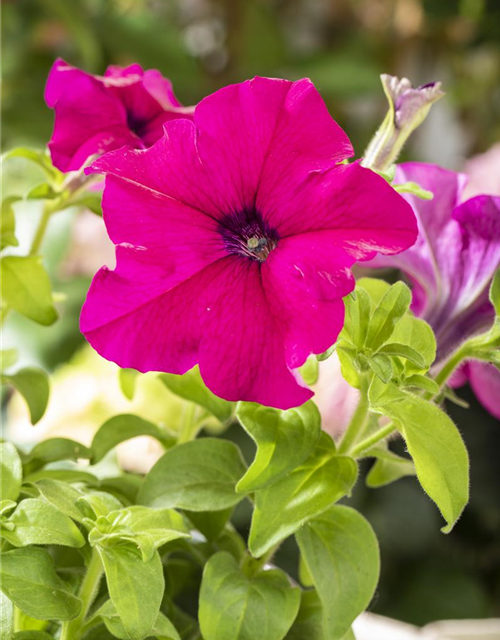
{"x":94,"y":114}
{"x":452,"y":264}
{"x":235,"y":236}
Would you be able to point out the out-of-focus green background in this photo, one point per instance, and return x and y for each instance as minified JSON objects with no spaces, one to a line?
{"x":343,"y":46}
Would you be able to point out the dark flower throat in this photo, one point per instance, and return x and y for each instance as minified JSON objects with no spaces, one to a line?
{"x":247,"y":234}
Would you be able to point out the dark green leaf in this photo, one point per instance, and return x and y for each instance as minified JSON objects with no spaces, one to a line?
{"x":308,"y":624}
{"x":33,"y":384}
{"x":199,"y":476}
{"x":391,"y":308}
{"x":135,"y":587}
{"x":124,"y":427}
{"x":11,"y":472}
{"x":235,"y":607}
{"x":191,"y":387}
{"x":38,"y":522}
{"x":26,"y":288}
{"x":341,"y":553}
{"x":284,"y":440}
{"x":210,"y":523}
{"x":286,"y":505}
{"x":30,"y":581}
{"x":32,"y":635}
{"x":162,"y":628}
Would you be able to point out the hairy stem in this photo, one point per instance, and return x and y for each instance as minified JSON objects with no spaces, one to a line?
{"x":358,"y":420}
{"x":372,"y":440}
{"x":452,"y":364}
{"x":71,"y":630}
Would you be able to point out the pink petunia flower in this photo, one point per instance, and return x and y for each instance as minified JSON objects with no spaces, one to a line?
{"x":451,"y":267}
{"x":94,"y":114}
{"x":235,"y":236}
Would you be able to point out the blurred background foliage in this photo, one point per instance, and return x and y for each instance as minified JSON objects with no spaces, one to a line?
{"x":343,"y":46}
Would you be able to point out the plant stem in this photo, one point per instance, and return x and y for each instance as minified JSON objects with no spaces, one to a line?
{"x":252,"y":566}
{"x":372,"y":440}
{"x":71,"y":630}
{"x":48,"y":210}
{"x":357,"y":423}
{"x":451,"y":364}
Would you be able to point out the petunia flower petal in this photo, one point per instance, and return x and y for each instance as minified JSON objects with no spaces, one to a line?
{"x":484,"y":379}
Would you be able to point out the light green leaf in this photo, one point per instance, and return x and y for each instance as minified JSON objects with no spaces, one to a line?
{"x":6,"y":617}
{"x":8,"y":223}
{"x":341,"y":552}
{"x":26,"y":288}
{"x":41,"y":158}
{"x":127,"y":379}
{"x":62,"y":496}
{"x":309,"y":489}
{"x":387,"y":468}
{"x":55,"y":449}
{"x":162,"y":628}
{"x":391,"y":308}
{"x":418,"y":335}
{"x":33,"y":384}
{"x":210,"y":523}
{"x":422,"y":382}
{"x":124,"y":427}
{"x":199,"y":476}
{"x":495,"y":292}
{"x":28,"y":579}
{"x":357,"y":316}
{"x":191,"y":387}
{"x":32,"y":635}
{"x":347,"y":359}
{"x":404,"y":351}
{"x":8,"y":357}
{"x":380,"y":364}
{"x":38,"y":522}
{"x":135,"y":587}
{"x":284,"y":440}
{"x":42,"y":191}
{"x":98,"y":503}
{"x":437,"y":449}
{"x":163,"y":525}
{"x":11,"y":472}
{"x":310,"y":370}
{"x":235,"y":607}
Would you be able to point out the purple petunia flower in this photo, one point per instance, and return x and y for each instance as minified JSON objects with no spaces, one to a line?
{"x":94,"y":114}
{"x":452,"y":265}
{"x":235,"y":236}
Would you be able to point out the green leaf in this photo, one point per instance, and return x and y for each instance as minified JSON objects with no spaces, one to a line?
{"x":163,"y":525}
{"x":33,"y":384}
{"x":191,"y":387}
{"x":42,"y":192}
{"x":28,"y":579}
{"x":418,"y":335}
{"x":310,"y":370}
{"x":404,"y":351}
{"x":124,"y":427}
{"x":6,"y":617}
{"x":341,"y":552}
{"x":437,"y":449}
{"x":380,"y":364}
{"x":357,"y":316}
{"x":127,"y":379}
{"x":495,"y":292}
{"x":8,"y":357}
{"x":387,"y":468}
{"x":162,"y":628}
{"x":38,"y":522}
{"x":348,"y":368}
{"x":98,"y":503}
{"x":41,"y":158}
{"x":11,"y":472}
{"x":286,"y":505}
{"x":135,"y":587}
{"x":91,"y":201}
{"x":199,"y":476}
{"x":26,"y":288}
{"x":64,"y":475}
{"x":8,"y":223}
{"x":326,"y":354}
{"x":308,"y":624}
{"x":55,"y":449}
{"x":236,"y":607}
{"x":210,"y":523}
{"x":284,"y":440}
{"x":422,"y":382}
{"x":62,"y":496}
{"x":391,"y":308}
{"x":32,"y":635}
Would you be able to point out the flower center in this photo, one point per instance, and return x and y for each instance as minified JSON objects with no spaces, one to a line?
{"x":247,"y":234}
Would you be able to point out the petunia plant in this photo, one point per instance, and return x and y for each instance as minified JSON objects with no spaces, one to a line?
{"x":236,"y":224}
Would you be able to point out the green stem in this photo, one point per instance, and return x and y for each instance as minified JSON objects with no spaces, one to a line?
{"x":252,"y":566}
{"x":189,"y":425}
{"x":71,"y":630}
{"x":372,"y":440}
{"x":48,"y":210}
{"x":451,"y":364}
{"x":358,"y":421}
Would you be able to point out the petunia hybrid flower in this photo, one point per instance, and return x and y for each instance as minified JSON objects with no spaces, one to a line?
{"x":452,"y":265}
{"x":94,"y":114}
{"x":235,"y":236}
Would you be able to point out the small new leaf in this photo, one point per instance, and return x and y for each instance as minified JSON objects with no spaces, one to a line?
{"x":392,"y":307}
